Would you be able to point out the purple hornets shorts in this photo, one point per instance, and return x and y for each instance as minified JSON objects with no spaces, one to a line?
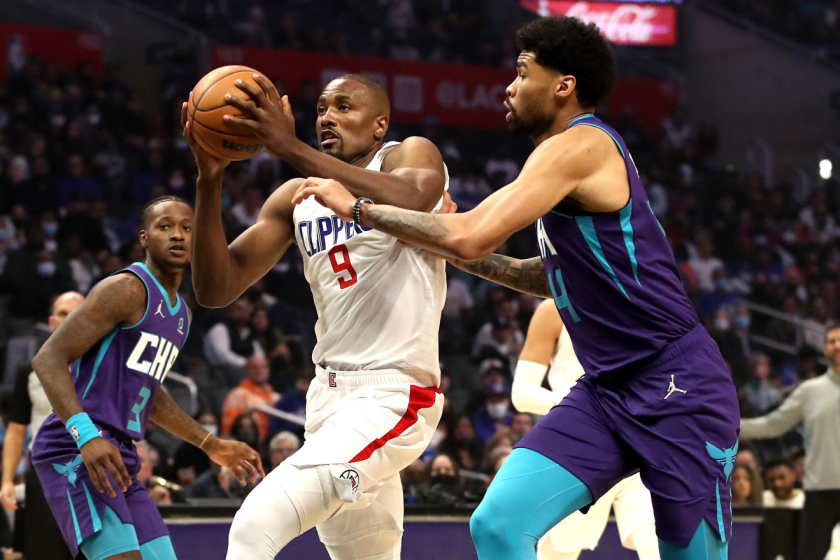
{"x":676,"y":420}
{"x":77,"y":505}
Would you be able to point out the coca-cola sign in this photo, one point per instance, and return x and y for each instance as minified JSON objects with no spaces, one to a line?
{"x":621,"y":22}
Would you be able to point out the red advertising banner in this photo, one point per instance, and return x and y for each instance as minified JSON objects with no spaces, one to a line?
{"x":67,"y":47}
{"x":621,"y":22}
{"x":458,"y":95}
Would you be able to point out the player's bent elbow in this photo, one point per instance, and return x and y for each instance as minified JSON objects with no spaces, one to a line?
{"x":469,"y":249}
{"x":39,"y":362}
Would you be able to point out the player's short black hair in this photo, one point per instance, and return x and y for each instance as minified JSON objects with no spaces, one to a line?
{"x":154,"y":202}
{"x":377,"y":89}
{"x":778,"y":462}
{"x":570,"y":46}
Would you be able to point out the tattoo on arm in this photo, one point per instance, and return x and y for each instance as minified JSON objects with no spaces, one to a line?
{"x":523,"y":275}
{"x":403,"y":222}
{"x":169,"y":416}
{"x":114,"y":301}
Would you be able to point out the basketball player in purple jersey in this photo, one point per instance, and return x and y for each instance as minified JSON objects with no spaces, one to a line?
{"x":657,"y":396}
{"x":121,"y":343}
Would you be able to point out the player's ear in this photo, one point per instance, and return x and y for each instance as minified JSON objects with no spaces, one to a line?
{"x":565,"y":85}
{"x":381,"y":127}
{"x":143,"y":238}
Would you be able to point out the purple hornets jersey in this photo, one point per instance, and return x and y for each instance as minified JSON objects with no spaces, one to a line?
{"x":116,"y":380}
{"x":614,"y":278}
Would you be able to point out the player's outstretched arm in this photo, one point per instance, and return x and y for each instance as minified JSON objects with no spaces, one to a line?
{"x":412,"y":174}
{"x":523,"y":275}
{"x":554,"y":170}
{"x":527,"y":393}
{"x":114,"y":302}
{"x":237,"y":456}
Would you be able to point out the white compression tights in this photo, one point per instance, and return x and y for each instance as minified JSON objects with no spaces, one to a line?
{"x":289,"y":502}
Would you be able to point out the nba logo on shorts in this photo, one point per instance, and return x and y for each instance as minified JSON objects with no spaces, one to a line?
{"x":332,"y":379}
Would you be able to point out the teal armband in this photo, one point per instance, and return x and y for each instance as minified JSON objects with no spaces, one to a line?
{"x":82,"y":429}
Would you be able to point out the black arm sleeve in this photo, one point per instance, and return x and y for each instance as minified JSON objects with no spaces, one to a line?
{"x":20,"y":409}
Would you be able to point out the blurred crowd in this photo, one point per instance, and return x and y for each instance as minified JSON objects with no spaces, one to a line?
{"x":436,"y":30}
{"x":814,"y":23}
{"x":78,"y":159}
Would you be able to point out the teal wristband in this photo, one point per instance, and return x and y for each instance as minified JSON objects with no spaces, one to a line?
{"x":82,"y":429}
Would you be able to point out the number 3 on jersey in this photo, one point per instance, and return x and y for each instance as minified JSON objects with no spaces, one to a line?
{"x":137,"y":409}
{"x":343,"y":266}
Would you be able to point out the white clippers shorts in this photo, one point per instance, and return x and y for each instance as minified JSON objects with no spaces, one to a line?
{"x":367,"y":426}
{"x":577,"y":532}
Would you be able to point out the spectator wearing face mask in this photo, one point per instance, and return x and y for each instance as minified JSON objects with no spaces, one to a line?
{"x":721,"y":329}
{"x":244,"y":429}
{"x":494,"y":414}
{"x":33,"y":275}
{"x":445,"y":483}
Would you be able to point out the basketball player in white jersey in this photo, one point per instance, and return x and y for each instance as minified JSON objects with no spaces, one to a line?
{"x":375,"y":402}
{"x":548,"y":344}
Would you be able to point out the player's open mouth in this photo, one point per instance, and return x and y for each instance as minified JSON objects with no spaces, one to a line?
{"x":329,"y":138}
{"x":178,"y":250}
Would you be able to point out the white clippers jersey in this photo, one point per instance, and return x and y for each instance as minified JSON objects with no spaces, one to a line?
{"x":379,"y":301}
{"x":565,"y":369}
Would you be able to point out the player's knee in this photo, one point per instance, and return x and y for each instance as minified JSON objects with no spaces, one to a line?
{"x":489,"y":527}
{"x":288,"y":502}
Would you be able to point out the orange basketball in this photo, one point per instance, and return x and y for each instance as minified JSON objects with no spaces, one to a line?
{"x":207,"y":109}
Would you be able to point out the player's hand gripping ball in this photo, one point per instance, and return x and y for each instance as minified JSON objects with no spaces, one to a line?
{"x":207,"y":110}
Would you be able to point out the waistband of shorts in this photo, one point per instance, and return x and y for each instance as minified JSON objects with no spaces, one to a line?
{"x":689,"y":341}
{"x":373,"y":378}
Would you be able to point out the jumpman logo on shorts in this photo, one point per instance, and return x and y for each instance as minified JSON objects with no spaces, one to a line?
{"x":672,"y":387}
{"x":159,"y":311}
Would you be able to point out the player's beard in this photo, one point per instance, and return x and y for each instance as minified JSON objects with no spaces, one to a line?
{"x":336,"y":150}
{"x":526,"y":121}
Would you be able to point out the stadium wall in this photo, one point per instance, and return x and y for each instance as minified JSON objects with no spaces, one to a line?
{"x":751,"y":87}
